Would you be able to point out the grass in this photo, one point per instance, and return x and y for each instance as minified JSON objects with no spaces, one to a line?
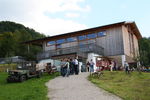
{"x":32,"y":89}
{"x":129,"y":87}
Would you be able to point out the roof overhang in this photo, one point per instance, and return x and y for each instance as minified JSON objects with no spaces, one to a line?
{"x":85,"y":31}
{"x":134,"y":29}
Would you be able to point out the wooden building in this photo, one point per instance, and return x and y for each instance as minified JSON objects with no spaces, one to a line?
{"x":118,"y":41}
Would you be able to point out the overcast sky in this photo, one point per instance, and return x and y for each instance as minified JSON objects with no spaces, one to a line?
{"x":53,"y":17}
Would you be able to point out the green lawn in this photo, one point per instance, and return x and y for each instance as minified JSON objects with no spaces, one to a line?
{"x":32,"y":89}
{"x":129,"y":87}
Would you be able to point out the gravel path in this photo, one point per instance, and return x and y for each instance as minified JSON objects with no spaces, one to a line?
{"x":76,"y":87}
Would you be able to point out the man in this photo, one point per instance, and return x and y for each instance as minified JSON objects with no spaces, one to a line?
{"x":126,"y":66}
{"x":76,"y":67}
{"x":71,"y":64}
{"x":91,"y":66}
{"x":87,"y":66}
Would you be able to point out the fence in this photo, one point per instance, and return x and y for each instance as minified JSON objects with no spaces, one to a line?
{"x":6,"y":67}
{"x":81,"y":49}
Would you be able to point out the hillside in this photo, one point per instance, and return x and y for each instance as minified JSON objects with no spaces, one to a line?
{"x":11,"y":36}
{"x":7,"y":26}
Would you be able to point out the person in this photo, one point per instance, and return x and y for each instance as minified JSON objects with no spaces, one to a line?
{"x":111,"y":66}
{"x":87,"y":66}
{"x":67,"y":68}
{"x":71,"y":64}
{"x":62,"y":70}
{"x":139,"y":69}
{"x":126,"y":66}
{"x":76,"y":66}
{"x":49,"y":70}
{"x":91,"y":66}
{"x":115,"y":66}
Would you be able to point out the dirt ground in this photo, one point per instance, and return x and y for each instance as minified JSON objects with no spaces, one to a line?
{"x":76,"y":87}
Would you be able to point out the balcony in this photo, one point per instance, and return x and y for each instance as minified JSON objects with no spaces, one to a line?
{"x":81,"y":50}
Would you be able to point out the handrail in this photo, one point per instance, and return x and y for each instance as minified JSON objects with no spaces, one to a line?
{"x":84,"y":48}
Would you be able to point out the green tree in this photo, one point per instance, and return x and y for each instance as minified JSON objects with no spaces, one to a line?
{"x":144,"y":46}
{"x":12,"y":36}
{"x":6,"y":45}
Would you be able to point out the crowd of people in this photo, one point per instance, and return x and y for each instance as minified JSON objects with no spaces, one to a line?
{"x":71,"y":67}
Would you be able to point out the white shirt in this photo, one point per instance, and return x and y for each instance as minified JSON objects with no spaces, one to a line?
{"x":76,"y":62}
{"x":91,"y":63}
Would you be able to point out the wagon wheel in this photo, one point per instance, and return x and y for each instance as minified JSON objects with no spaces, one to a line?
{"x":39,"y":74}
{"x":8,"y":80}
{"x":22,"y":78}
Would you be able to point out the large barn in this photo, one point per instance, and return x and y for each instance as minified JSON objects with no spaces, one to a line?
{"x":118,"y":41}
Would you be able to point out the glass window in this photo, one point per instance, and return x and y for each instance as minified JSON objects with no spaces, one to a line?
{"x":90,"y":36}
{"x":91,"y":41}
{"x":102,"y":33}
{"x":83,"y":37}
{"x":60,"y":41}
{"x":82,"y":43}
{"x":59,"y":46}
{"x":71,"y":39}
{"x":51,"y":43}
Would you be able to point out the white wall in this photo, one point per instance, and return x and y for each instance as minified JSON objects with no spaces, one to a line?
{"x":93,"y":57}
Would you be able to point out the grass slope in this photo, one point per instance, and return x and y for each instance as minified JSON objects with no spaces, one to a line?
{"x":129,"y":87}
{"x":32,"y":89}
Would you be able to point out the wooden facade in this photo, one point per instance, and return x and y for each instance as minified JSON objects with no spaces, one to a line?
{"x":119,"y":39}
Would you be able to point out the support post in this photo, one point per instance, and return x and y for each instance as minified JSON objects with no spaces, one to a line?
{"x":123,"y":58}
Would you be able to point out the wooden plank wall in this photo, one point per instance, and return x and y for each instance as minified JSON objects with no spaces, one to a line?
{"x":112,"y":42}
{"x":136,"y":46}
{"x":127,"y":43}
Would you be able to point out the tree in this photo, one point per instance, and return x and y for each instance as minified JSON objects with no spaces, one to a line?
{"x":6,"y":45}
{"x":144,"y":46}
{"x":11,"y":37}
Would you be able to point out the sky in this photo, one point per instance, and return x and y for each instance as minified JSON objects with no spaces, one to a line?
{"x":53,"y":17}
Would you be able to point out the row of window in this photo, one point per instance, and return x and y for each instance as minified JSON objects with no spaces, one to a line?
{"x":58,"y":46}
{"x":83,"y":37}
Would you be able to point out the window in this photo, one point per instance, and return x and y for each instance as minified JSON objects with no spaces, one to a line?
{"x":83,"y":37}
{"x":71,"y":39}
{"x":90,"y":36}
{"x":60,"y":41}
{"x":58,"y":46}
{"x":82,"y":43}
{"x":83,"y":46}
{"x":91,"y":41}
{"x":51,"y":43}
{"x":102,"y":33}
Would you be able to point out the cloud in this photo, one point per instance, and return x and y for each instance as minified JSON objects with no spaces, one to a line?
{"x":54,"y":26}
{"x":31,"y":13}
{"x":72,"y":15}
